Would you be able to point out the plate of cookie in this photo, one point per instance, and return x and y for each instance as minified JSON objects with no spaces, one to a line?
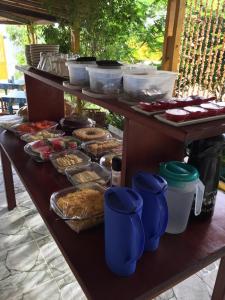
{"x":90,"y":173}
{"x":69,"y":159}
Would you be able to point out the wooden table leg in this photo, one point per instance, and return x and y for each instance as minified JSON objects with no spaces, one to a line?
{"x":219,"y":288}
{"x":8,"y":180}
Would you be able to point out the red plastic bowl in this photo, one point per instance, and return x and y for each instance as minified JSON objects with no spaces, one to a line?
{"x":154,"y":106}
{"x":196,"y":112}
{"x":222,"y":105}
{"x":167,"y":104}
{"x":212,"y":108}
{"x":201,"y":99}
{"x":177,"y":115}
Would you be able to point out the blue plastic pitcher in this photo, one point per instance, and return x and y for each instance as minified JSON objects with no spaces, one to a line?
{"x":124,"y":233}
{"x":152,"y":189}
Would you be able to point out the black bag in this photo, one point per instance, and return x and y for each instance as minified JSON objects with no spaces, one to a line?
{"x":205,"y":155}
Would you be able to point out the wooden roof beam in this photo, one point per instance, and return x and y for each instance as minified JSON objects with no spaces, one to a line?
{"x":29,"y":6}
{"x":26,"y":12}
{"x":14,"y":17}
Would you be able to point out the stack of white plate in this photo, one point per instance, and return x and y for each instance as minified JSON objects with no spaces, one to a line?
{"x":36,"y":49}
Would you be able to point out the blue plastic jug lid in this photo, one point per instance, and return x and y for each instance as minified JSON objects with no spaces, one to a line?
{"x":177,"y":171}
{"x":123,"y":200}
{"x":151,"y":182}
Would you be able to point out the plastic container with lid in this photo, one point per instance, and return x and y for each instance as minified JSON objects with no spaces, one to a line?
{"x":78,"y":73}
{"x":91,"y":134}
{"x":69,"y":124}
{"x":158,"y":80}
{"x":139,"y":69}
{"x":8,"y":121}
{"x":69,"y":159}
{"x":40,"y":135}
{"x":98,"y":148}
{"x":92,"y":172}
{"x":80,"y":211}
{"x":105,"y":80}
{"x":184,"y":186}
{"x":177,"y":115}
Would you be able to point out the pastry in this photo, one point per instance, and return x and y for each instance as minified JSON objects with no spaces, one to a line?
{"x":86,"y":176}
{"x":88,"y":134}
{"x":101,"y":147}
{"x":81,"y":204}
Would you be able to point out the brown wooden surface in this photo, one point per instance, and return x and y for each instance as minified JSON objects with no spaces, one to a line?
{"x":185,"y":134}
{"x":8,"y":180}
{"x":178,"y":256}
{"x":219,"y":289}
{"x":144,"y":148}
{"x":44,"y":102}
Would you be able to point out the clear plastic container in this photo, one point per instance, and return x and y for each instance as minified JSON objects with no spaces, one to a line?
{"x":91,"y":134}
{"x":139,"y":69}
{"x":41,"y":150}
{"x":40,"y":135}
{"x":80,"y":210}
{"x":68,"y":159}
{"x":8,"y":121}
{"x":105,"y":81}
{"x":163,"y":81}
{"x":89,"y":173}
{"x":33,"y":127}
{"x":98,"y":148}
{"x":78,"y":73}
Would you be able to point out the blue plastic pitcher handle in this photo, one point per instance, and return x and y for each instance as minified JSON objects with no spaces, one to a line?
{"x":162,"y":182}
{"x":163,"y":215}
{"x":139,"y":238}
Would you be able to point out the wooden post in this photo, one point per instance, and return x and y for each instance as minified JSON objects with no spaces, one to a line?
{"x":172,"y":40}
{"x":75,"y":48}
{"x":75,"y":40}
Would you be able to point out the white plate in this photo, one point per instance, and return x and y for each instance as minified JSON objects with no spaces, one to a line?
{"x":72,"y":86}
{"x":163,"y":119}
{"x":90,"y":93}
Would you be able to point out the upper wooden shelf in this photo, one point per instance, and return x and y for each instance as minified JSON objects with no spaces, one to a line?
{"x":185,"y":134}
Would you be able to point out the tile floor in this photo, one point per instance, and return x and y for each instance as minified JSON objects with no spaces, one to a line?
{"x":32,"y":267}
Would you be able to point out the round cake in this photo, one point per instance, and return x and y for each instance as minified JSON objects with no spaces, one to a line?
{"x":89,"y":134}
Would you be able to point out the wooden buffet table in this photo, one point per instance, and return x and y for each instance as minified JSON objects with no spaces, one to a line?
{"x":146,"y":143}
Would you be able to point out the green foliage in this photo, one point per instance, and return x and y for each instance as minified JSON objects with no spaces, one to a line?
{"x":58,"y":35}
{"x":123,"y":28}
{"x":115,"y":120}
{"x":128,"y":30}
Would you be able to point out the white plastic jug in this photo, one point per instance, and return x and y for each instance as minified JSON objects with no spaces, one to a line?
{"x":184,"y":186}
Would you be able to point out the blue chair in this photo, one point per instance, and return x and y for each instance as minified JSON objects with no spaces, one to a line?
{"x":15,"y":97}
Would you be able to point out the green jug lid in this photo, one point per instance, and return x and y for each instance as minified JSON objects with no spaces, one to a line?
{"x":177,"y":171}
